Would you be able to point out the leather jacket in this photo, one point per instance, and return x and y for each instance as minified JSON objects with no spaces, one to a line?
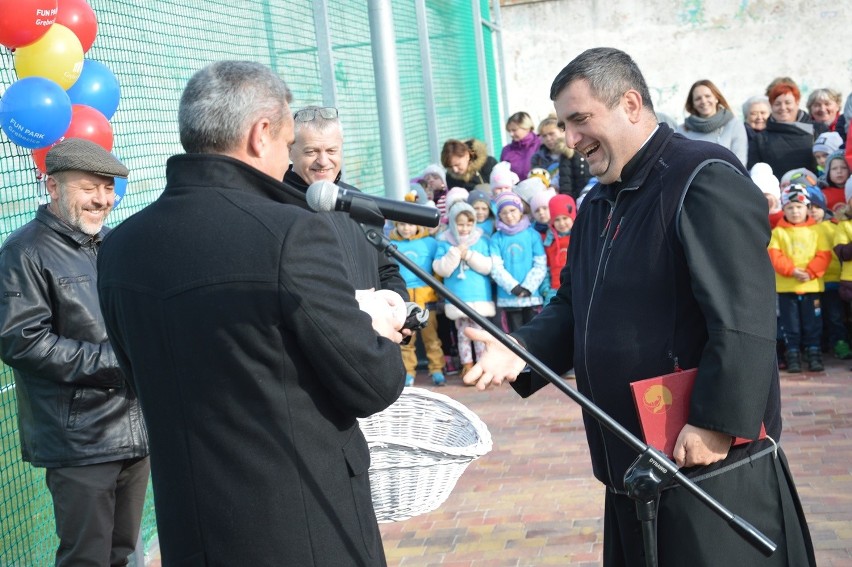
{"x":74,"y":405}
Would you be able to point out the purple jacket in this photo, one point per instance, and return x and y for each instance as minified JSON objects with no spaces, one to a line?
{"x":519,"y":153}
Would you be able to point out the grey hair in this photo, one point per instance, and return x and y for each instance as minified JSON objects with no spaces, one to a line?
{"x":222,"y":101}
{"x":610,"y":73}
{"x":824,"y":94}
{"x":318,"y":124}
{"x":752,"y":100}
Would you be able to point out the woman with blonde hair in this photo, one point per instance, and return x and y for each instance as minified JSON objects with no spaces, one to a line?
{"x":525,"y":142}
{"x":569,"y":171}
{"x":824,"y":107}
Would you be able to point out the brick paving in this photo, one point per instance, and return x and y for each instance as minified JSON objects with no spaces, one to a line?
{"x":533,"y":500}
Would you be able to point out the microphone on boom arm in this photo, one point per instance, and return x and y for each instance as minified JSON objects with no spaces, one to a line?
{"x":326,"y":196}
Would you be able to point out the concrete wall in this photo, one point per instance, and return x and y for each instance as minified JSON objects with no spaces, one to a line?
{"x":740,"y":45}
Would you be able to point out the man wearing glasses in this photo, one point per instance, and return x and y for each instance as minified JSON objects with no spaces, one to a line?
{"x":317,"y":155}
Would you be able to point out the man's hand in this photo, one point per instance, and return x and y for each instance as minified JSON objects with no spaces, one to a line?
{"x":387,"y":310}
{"x":497,"y":364}
{"x":696,"y":446}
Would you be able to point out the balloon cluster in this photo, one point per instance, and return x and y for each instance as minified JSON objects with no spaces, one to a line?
{"x":58,"y":94}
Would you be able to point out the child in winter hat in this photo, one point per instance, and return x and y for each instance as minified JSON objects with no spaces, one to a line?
{"x":456,"y":194}
{"x":762,"y":176}
{"x":563,"y":211}
{"x":799,"y":175}
{"x":529,"y":187}
{"x":502,"y":178}
{"x":481,"y":203}
{"x":800,"y":256}
{"x":539,"y":209}
{"x":795,"y":193}
{"x":826,"y":144}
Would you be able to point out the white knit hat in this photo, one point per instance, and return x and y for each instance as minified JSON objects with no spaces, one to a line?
{"x":502,"y":176}
{"x":529,"y":187}
{"x":761,"y":175}
{"x":828,"y":142}
{"x":435,"y":169}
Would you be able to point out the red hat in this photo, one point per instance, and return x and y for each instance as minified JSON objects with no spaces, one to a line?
{"x":562,"y":205}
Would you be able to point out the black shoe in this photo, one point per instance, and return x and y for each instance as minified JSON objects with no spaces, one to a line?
{"x":794,"y":361}
{"x":815,"y":360}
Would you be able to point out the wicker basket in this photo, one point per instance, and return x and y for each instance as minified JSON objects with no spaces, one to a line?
{"x":419,"y":447}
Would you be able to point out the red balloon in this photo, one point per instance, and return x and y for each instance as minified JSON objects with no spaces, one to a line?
{"x":79,"y":17}
{"x":87,"y":123}
{"x":24,"y":21}
{"x":40,"y":155}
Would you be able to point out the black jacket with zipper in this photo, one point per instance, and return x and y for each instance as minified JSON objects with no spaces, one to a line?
{"x":667,"y":268}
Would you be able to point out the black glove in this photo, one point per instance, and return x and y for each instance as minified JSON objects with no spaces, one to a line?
{"x":520,"y":291}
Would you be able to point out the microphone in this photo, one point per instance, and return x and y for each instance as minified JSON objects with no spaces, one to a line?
{"x":326,"y":196}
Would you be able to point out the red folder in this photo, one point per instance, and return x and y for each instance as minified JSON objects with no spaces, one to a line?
{"x":662,"y":403}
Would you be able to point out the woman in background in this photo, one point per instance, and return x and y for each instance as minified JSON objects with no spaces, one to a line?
{"x":711,"y":119}
{"x":524,"y":143}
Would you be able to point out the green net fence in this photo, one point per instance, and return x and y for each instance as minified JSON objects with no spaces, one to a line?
{"x":154,"y":47}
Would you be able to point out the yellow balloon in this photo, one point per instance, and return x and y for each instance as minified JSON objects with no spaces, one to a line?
{"x":57,"y":56}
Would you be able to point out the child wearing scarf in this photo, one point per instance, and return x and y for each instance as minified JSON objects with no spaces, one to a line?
{"x":519,"y":263}
{"x":462,"y":259}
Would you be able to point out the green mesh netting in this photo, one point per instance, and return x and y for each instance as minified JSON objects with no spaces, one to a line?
{"x":153,"y":48}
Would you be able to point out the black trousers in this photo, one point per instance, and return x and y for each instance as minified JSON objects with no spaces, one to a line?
{"x":689,"y":534}
{"x":98,"y":511}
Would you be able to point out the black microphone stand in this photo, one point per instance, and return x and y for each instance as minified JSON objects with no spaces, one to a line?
{"x":648,"y":474}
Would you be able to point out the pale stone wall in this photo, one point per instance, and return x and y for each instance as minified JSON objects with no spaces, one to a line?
{"x":740,"y":45}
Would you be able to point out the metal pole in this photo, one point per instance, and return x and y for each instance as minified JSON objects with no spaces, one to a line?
{"x":501,"y":67}
{"x":324,"y":53}
{"x":386,"y":71}
{"x":325,"y":58}
{"x":483,"y":78}
{"x":428,"y":94}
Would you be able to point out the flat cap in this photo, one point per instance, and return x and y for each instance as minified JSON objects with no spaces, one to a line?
{"x":78,"y":154}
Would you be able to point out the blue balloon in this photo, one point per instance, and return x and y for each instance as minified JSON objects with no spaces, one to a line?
{"x":35,"y":112}
{"x":120,"y":190}
{"x":120,"y":186}
{"x":96,"y":87}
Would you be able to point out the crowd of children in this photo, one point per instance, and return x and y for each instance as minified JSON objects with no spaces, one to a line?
{"x":811,"y":252}
{"x":499,"y":247}
{"x":502,"y":245}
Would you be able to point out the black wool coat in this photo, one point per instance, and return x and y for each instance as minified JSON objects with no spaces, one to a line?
{"x":236,"y":323}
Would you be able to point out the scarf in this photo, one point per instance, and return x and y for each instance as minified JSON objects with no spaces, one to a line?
{"x":454,"y":239}
{"x":704,"y":125}
{"x":523,"y":224}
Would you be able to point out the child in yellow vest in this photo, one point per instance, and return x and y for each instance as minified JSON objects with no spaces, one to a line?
{"x":800,"y":255}
{"x":842,"y":245}
{"x":835,"y":334}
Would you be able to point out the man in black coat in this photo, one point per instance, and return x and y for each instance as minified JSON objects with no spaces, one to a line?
{"x":317,"y":155}
{"x":235,"y":320}
{"x":667,"y":269}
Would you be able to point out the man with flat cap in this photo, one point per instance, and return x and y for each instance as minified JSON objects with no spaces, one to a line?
{"x":78,"y":417}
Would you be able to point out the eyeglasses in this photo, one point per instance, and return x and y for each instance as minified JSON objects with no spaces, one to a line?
{"x":311,"y":113}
